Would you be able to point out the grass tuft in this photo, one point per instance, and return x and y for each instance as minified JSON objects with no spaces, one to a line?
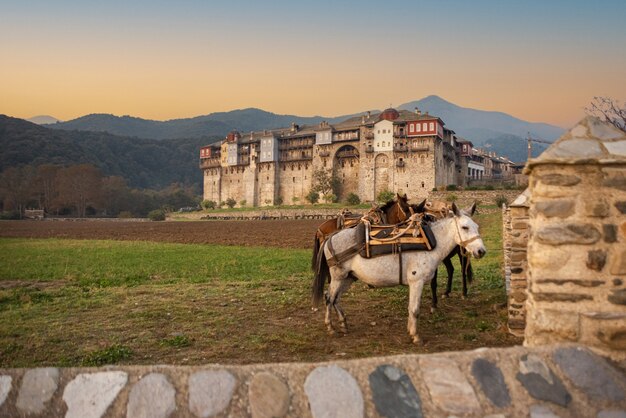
{"x":110,"y":355}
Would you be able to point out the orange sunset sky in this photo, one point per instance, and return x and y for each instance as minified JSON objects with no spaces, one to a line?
{"x":542,"y":61}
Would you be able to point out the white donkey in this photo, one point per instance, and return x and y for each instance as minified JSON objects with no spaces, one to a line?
{"x":418,"y":267}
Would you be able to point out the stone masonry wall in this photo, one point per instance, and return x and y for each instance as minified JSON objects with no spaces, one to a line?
{"x":563,"y":381}
{"x":577,"y":245}
{"x":515,"y":242}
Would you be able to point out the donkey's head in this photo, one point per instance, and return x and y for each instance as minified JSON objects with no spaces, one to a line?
{"x":467,"y":235}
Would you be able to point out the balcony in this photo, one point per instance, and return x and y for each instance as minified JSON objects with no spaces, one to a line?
{"x":348,"y":154}
{"x":300,"y":145}
{"x":420,"y":148}
{"x":369,"y":149}
{"x":209,"y":163}
{"x":400,"y":163}
{"x":296,"y":158}
{"x":369,"y":135}
{"x":324,"y":153}
{"x":400,"y":148}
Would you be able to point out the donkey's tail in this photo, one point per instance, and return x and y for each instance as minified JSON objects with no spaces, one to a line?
{"x":317,"y":243}
{"x":322,"y":272}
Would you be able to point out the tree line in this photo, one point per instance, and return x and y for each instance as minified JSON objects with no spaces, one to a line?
{"x":82,"y":190}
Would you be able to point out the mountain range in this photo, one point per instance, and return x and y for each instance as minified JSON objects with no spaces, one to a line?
{"x":144,"y":163}
{"x":488,"y":129}
{"x":154,"y":154}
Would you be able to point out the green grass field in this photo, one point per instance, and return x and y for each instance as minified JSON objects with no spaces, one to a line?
{"x":68,"y":302}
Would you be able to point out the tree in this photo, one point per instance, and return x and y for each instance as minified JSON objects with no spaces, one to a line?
{"x":608,"y":110}
{"x":385,"y":196}
{"x":230,"y":202}
{"x":353,"y":199}
{"x":48,"y":185}
{"x":116,"y":195}
{"x":17,"y":187}
{"x":209,"y":204}
{"x":326,"y":183}
{"x":80,"y":186}
{"x":313,"y":197}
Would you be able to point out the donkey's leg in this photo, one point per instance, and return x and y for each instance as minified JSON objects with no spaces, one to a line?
{"x":327,"y":319}
{"x":464,"y":265}
{"x":342,"y":287}
{"x":433,"y":290}
{"x":416,"y":285}
{"x":450,"y":270}
{"x":336,"y":287}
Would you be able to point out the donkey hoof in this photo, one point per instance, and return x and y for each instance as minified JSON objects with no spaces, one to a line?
{"x":433,"y":310}
{"x":416,"y":340}
{"x":445,"y":296}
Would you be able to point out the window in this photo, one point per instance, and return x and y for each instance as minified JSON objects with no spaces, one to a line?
{"x":418,"y":127}
{"x":411,"y":128}
{"x":432,"y":126}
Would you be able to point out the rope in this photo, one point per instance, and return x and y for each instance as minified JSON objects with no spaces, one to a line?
{"x":411,"y":221}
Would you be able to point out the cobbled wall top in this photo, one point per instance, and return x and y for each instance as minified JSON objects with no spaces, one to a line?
{"x":555,"y":381}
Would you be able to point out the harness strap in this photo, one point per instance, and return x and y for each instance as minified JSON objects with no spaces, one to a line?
{"x":335,"y":259}
{"x":400,"y":263}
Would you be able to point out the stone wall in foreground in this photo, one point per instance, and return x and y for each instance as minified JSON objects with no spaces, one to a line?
{"x":515,"y":243}
{"x":563,"y":381}
{"x":577,"y":244}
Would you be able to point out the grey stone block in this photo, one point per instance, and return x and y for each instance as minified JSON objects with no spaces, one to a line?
{"x":152,"y":397}
{"x":394,"y":394}
{"x":38,"y":386}
{"x":333,"y":393}
{"x":590,"y":373}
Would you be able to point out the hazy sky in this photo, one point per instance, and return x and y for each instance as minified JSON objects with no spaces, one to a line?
{"x":538,"y":60}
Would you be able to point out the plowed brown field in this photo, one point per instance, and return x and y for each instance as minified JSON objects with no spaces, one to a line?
{"x":274,"y":233}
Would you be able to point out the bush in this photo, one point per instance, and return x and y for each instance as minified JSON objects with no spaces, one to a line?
{"x":295,"y":200}
{"x":385,"y":196}
{"x":230,"y":202}
{"x":10,"y":215}
{"x":330,"y":198}
{"x":353,"y":199}
{"x":451,"y":197}
{"x":125,"y":214}
{"x":243,"y":203}
{"x":157,"y":215}
{"x":278,"y":201}
{"x":451,"y":187}
{"x":489,"y":187}
{"x":313,"y":197}
{"x":209,"y":204}
{"x":501,"y":200}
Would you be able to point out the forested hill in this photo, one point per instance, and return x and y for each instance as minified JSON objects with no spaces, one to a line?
{"x":144,"y":163}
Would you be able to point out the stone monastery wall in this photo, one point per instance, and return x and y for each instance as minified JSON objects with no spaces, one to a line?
{"x":402,"y":152}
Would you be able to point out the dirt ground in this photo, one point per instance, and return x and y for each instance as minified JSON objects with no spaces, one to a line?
{"x":248,"y":233}
{"x":288,"y":332}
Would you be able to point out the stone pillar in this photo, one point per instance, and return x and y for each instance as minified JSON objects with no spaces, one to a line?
{"x":516,"y":260}
{"x":577,"y":245}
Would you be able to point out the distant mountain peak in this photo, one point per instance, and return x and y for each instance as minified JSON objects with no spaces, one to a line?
{"x":43,"y":119}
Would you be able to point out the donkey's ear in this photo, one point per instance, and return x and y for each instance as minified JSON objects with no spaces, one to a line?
{"x":405,"y":198}
{"x":455,"y":210}
{"x":420,"y":208}
{"x":472,"y":209}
